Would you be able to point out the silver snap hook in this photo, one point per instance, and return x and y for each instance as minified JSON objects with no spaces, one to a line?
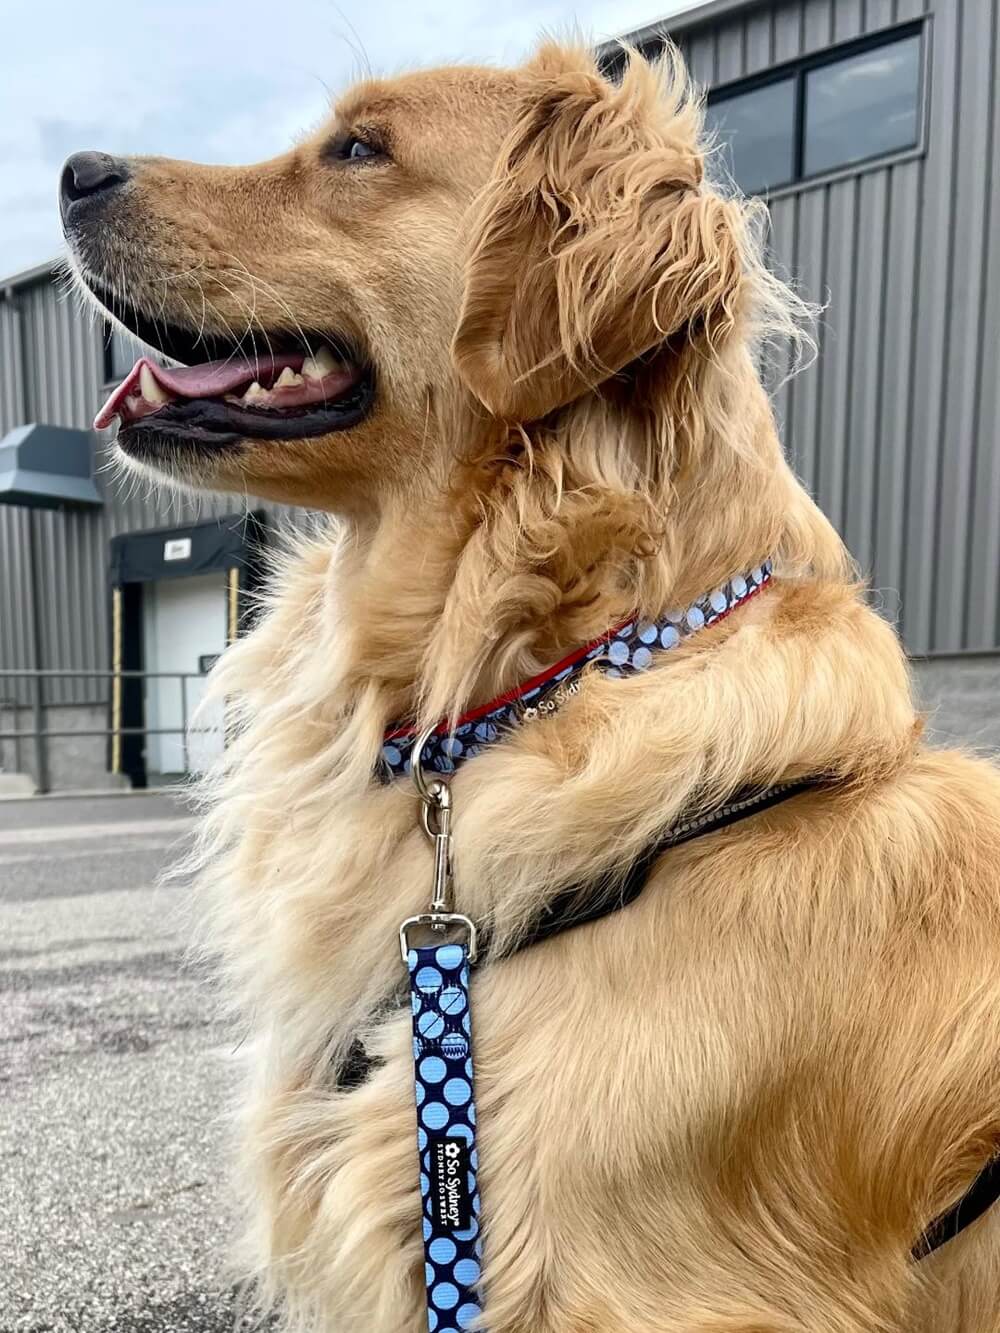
{"x":425,"y":790}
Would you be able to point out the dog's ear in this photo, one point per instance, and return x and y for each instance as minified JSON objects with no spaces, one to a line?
{"x":595,"y":240}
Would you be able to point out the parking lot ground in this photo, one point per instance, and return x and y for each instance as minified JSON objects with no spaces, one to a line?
{"x":115,"y":1076}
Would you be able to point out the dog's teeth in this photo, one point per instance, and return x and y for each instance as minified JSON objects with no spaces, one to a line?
{"x":287,"y":379}
{"x":149,"y":389}
{"x":254,"y":393}
{"x":319,"y":366}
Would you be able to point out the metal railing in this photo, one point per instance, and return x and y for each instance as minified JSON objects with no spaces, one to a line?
{"x":10,"y":705}
{"x":39,"y":735}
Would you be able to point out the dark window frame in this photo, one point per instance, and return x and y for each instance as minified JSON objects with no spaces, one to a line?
{"x":107,"y":355}
{"x":799,"y":69}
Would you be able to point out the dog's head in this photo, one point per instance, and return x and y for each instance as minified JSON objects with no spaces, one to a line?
{"x":510,"y":242}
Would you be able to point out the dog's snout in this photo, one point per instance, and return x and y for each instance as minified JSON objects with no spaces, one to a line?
{"x":87,"y":175}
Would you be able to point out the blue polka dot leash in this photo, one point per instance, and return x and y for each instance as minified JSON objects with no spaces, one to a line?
{"x":446,"y":1133}
{"x":444,"y":1082}
{"x":439,"y":970}
{"x":623,"y":651}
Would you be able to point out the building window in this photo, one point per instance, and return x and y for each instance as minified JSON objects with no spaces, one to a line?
{"x":756,"y":135}
{"x":862,"y":107}
{"x":835,"y":110}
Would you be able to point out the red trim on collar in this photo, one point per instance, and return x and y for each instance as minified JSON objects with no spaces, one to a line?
{"x":474,"y":714}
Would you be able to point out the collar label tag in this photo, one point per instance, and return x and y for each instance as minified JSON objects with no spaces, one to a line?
{"x":450,"y":1197}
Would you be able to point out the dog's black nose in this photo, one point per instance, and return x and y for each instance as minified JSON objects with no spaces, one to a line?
{"x":88,"y":174}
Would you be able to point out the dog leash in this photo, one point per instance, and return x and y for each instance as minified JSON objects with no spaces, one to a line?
{"x":444,"y":1072}
{"x":440,"y":1001}
{"x":444,"y":1081}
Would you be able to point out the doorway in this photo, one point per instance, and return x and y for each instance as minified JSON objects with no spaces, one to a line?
{"x":178,"y":596}
{"x":184,"y":630}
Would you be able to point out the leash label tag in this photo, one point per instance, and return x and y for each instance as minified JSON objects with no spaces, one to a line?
{"x":449,"y":1192}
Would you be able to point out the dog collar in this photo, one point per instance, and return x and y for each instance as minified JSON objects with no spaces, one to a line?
{"x":624,"y":650}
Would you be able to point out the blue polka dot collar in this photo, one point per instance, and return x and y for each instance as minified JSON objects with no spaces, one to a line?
{"x":623,"y":651}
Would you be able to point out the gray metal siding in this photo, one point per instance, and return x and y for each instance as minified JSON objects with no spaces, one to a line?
{"x":894,"y":428}
{"x":51,"y":370}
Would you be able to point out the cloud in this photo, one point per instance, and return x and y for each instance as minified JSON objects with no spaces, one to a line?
{"x":230,"y":81}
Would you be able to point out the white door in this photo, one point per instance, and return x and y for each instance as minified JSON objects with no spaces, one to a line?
{"x":184,"y":623}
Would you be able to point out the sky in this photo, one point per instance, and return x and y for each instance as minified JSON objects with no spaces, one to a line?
{"x":225,"y":80}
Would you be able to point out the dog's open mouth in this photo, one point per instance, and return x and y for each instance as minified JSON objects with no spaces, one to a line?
{"x":283,"y":395}
{"x":282,"y":387}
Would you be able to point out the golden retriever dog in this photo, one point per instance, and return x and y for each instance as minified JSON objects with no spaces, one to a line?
{"x":500,"y":325}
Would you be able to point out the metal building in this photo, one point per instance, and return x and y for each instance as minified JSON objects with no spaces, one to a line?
{"x":873,"y":129}
{"x":122,"y":579}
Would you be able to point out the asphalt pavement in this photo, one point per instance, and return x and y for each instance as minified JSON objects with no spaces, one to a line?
{"x":115,"y":1076}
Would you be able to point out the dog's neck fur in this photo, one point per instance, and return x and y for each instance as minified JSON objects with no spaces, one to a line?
{"x":492,"y":572}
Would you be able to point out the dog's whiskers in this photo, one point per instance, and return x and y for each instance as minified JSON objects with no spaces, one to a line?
{"x":269,"y":290}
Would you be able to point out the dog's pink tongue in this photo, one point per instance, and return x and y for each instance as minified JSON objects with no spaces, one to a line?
{"x":211,"y":379}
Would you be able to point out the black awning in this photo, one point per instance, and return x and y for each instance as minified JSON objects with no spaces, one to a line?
{"x":46,"y":467}
{"x":234,"y":541}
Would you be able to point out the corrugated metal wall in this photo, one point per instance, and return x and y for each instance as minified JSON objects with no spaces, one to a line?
{"x":51,"y":370}
{"x":895,"y":427}
{"x":15,"y":609}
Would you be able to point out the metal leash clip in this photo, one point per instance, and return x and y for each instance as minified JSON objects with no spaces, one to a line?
{"x":436,"y":820}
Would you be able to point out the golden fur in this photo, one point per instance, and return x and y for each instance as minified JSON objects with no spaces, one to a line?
{"x":735,"y":1105}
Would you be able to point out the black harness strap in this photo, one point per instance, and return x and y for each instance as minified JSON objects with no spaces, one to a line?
{"x":584,"y":904}
{"x":979,"y":1198}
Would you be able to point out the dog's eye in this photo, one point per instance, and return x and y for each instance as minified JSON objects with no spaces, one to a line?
{"x":355,"y":149}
